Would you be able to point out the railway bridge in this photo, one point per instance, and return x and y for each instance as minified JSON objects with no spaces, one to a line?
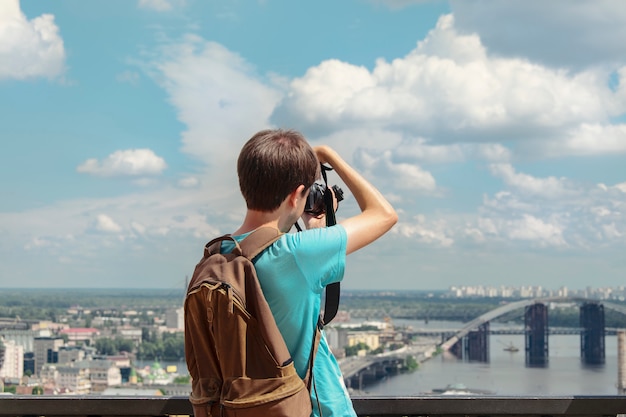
{"x":471,"y":342}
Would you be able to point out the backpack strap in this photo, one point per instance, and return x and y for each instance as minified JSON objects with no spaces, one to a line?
{"x":257,"y":241}
{"x":308,"y":377}
{"x":251,"y":246}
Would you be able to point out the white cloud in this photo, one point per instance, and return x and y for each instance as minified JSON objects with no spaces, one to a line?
{"x":450,"y":89}
{"x":29,"y":48}
{"x":189,"y":182}
{"x":217,"y":95}
{"x":534,"y":229}
{"x":130,"y":162}
{"x":160,"y":5}
{"x":549,"y":187}
{"x":403,"y":176}
{"x":106,"y":224}
{"x":431,"y":233}
{"x":552,"y":212}
{"x":588,"y":139}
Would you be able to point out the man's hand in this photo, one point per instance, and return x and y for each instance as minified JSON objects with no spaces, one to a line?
{"x":314,"y":221}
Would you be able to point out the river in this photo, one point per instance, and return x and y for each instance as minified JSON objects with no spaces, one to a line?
{"x":506,"y":373}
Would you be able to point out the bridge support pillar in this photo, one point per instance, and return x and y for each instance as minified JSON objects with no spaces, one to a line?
{"x":536,"y":335}
{"x":592,"y":348}
{"x":477,"y":344}
{"x":474,"y":346}
{"x":621,"y":362}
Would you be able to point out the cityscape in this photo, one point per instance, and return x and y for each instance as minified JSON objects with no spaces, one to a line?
{"x":606,"y":293}
{"x":140,"y":351}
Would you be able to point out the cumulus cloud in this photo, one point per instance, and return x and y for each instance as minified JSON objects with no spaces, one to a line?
{"x":550,"y":187}
{"x":29,"y":48}
{"x":534,"y":229}
{"x":218,"y":96}
{"x":450,"y":89}
{"x":579,"y":216}
{"x":402,"y":175}
{"x":160,"y":5}
{"x":130,"y":162}
{"x":189,"y":182}
{"x":431,"y":233}
{"x":587,"y":139}
{"x":106,"y":224}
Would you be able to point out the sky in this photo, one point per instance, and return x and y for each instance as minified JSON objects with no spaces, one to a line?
{"x":497,"y":129}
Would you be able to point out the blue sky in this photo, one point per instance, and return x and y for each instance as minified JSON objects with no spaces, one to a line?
{"x":497,"y":129}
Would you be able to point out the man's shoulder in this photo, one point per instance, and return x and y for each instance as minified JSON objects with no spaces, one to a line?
{"x":316,"y":236}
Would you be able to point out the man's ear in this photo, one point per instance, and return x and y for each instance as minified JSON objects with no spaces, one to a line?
{"x":297,"y":195}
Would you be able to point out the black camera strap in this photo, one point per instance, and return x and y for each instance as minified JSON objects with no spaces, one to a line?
{"x":333,"y":291}
{"x":331,"y":303}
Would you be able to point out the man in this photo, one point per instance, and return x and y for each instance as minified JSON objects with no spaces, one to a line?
{"x":276,"y":168}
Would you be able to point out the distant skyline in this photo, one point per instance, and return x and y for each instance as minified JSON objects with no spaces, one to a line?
{"x":496,"y":128}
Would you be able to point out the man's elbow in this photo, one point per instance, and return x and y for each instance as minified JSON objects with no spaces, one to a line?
{"x":390,"y":218}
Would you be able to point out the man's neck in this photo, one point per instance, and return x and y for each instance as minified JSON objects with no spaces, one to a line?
{"x":255,"y":219}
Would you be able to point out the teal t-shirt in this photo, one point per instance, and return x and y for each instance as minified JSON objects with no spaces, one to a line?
{"x":293,"y":274}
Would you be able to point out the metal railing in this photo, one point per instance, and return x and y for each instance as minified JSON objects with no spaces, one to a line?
{"x":438,"y":406}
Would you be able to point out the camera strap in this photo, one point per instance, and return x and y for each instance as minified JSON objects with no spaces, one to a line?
{"x":331,"y":303}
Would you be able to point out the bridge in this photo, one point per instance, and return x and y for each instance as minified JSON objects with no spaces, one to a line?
{"x":471,"y":341}
{"x":472,"y":338}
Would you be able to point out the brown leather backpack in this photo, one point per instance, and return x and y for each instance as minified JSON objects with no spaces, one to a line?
{"x":236,"y":356}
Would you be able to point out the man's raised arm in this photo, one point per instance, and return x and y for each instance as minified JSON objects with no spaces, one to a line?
{"x":377,"y":215}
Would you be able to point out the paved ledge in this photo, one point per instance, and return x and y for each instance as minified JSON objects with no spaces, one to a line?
{"x":438,"y":406}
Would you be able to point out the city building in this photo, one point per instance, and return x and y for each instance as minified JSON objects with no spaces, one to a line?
{"x":102,"y":373}
{"x":131,"y":333}
{"x":68,"y":354}
{"x":46,"y":350}
{"x":73,"y":379}
{"x":175,"y":319}
{"x":24,"y":337}
{"x":13,"y":364}
{"x":80,"y":335}
{"x":371,"y":339}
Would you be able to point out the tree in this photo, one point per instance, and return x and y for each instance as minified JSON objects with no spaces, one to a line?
{"x":106,"y":346}
{"x":149,"y":350}
{"x":174,"y":348}
{"x":124,"y":345}
{"x":354,"y":349}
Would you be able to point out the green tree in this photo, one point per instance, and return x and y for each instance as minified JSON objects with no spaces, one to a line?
{"x":354,"y":349}
{"x":106,"y":346}
{"x":37,"y":390}
{"x":174,"y":348}
{"x":149,"y":350}
{"x":411,"y":363}
{"x":124,"y":345}
{"x":182,"y":380}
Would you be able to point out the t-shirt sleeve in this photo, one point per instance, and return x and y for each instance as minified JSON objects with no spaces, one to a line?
{"x":321,"y":255}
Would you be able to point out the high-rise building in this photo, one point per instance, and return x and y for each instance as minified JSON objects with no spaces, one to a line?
{"x":13,"y":363}
{"x":46,"y":351}
{"x":175,"y":318}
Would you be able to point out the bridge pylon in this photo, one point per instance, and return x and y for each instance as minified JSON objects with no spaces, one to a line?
{"x":592,"y":347}
{"x":474,"y":346}
{"x":536,"y":335}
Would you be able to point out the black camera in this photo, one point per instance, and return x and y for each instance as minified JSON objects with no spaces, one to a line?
{"x":315,"y":203}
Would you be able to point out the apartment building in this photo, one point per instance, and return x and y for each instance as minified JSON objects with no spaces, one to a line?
{"x":46,"y":350}
{"x":13,"y":363}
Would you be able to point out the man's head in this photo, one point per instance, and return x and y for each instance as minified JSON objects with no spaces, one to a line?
{"x":272,"y":164}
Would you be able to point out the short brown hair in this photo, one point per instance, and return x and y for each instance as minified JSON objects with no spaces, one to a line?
{"x":272,"y":164}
